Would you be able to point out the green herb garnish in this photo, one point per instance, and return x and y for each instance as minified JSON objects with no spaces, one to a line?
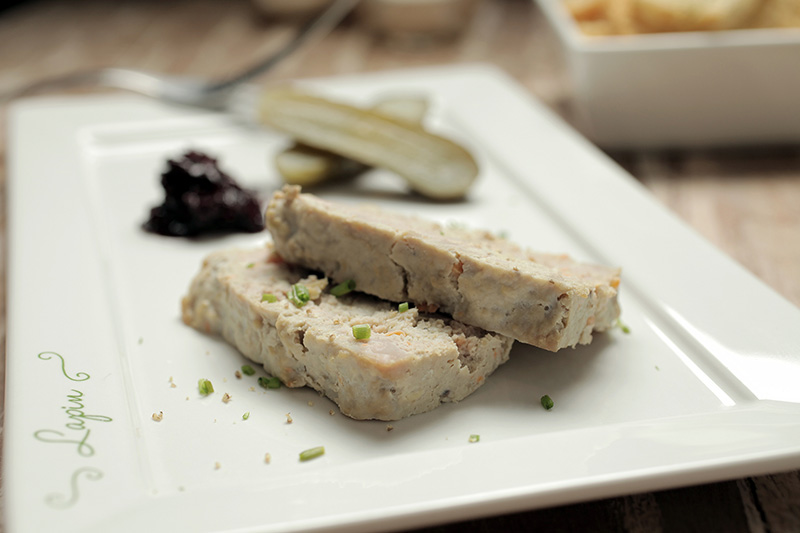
{"x":248,"y":370}
{"x":246,"y":415}
{"x":343,"y":288}
{"x":250,"y":265}
{"x":299,"y":295}
{"x":269,"y":297}
{"x":269,"y":383}
{"x":547,"y":402}
{"x":622,"y":326}
{"x":474,"y":438}
{"x":204,"y":386}
{"x":403,"y":307}
{"x":361,"y":331}
{"x":312,"y":453}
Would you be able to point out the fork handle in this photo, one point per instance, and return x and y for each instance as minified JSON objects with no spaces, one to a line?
{"x":316,"y":27}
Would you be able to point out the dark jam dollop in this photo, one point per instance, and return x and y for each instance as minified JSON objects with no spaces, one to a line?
{"x":201,"y":198}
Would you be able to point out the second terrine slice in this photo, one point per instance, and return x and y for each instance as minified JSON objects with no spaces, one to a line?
{"x":549,"y":301}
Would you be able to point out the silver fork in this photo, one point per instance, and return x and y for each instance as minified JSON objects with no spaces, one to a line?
{"x":209,"y":94}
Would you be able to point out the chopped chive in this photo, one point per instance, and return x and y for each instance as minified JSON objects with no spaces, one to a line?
{"x":250,"y":265}
{"x":403,"y":307}
{"x":248,"y":370}
{"x":204,"y":386}
{"x":246,"y":415}
{"x":269,"y":297}
{"x":343,"y":288}
{"x":269,"y":383}
{"x":361,"y":331}
{"x":312,"y":453}
{"x":547,"y":402}
{"x":299,"y":295}
{"x":622,"y":326}
{"x":474,"y":438}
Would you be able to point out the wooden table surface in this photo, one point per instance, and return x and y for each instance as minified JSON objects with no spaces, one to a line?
{"x":745,"y":201}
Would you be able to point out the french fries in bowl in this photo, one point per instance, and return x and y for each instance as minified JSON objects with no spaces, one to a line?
{"x":681,"y":73}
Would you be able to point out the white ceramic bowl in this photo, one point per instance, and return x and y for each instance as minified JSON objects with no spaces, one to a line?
{"x":683,"y":89}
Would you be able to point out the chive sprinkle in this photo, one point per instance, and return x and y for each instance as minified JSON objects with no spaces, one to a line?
{"x":403,"y":307}
{"x":474,"y":438}
{"x":312,"y":453}
{"x":204,"y":386}
{"x":547,"y":402}
{"x":269,"y":297}
{"x":361,"y":331}
{"x":299,"y":295}
{"x":343,"y":288}
{"x":269,"y":383}
{"x":248,"y":370}
{"x":622,"y":326}
{"x":246,"y":415}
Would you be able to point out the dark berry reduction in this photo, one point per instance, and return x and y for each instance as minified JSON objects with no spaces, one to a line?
{"x":201,"y":198}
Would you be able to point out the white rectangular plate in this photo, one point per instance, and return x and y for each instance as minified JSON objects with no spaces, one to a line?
{"x":703,"y":388}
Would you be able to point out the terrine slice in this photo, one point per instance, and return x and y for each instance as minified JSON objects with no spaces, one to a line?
{"x":411,"y":363}
{"x":546,"y":300}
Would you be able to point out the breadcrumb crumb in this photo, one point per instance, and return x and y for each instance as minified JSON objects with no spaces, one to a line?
{"x":159,"y":416}
{"x":267,"y":457}
{"x":238,"y":374}
{"x":226,"y":398}
{"x":289,"y":418}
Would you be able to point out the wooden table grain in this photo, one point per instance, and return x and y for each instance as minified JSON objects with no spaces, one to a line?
{"x":746,"y":201}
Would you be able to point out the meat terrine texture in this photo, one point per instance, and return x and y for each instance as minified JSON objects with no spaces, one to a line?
{"x":546,"y":300}
{"x":411,"y":363}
